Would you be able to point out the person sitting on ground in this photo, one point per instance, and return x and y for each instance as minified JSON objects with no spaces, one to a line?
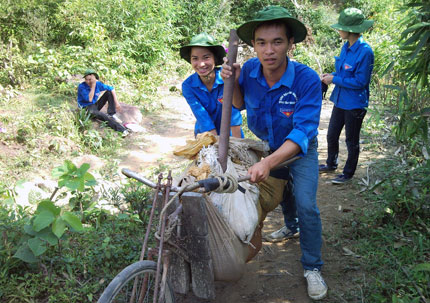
{"x":283,"y":102}
{"x":89,"y":98}
{"x":203,"y":90}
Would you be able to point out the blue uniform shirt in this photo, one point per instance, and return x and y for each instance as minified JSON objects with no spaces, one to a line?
{"x":207,"y":106}
{"x":289,"y":110}
{"x":352,"y":77}
{"x":84,"y":91}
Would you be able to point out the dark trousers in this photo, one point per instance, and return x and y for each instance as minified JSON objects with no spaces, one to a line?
{"x":94,"y":110}
{"x":288,"y":204}
{"x":352,"y":120}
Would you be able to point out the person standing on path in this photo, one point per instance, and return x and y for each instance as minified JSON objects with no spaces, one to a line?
{"x":89,"y":98}
{"x":283,"y":103}
{"x":351,"y":92}
{"x":204,"y":89}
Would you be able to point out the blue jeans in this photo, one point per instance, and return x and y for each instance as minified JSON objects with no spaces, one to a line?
{"x":352,"y":120}
{"x":305,"y":180}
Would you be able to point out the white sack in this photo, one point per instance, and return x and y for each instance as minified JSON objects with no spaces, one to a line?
{"x":238,"y":209}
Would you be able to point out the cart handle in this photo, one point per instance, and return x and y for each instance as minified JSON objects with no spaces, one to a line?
{"x":205,"y":185}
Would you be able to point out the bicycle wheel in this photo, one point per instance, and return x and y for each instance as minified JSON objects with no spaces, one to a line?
{"x":120,"y":289}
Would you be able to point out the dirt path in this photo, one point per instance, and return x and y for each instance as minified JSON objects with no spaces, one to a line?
{"x":275,"y":274}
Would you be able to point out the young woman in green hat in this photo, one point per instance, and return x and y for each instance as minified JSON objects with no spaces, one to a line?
{"x":203,"y":90}
{"x":351,"y":93}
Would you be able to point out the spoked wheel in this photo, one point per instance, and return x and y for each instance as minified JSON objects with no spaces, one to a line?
{"x":142,"y":274}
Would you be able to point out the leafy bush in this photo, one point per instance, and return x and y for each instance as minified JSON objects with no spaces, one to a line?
{"x":416,"y":42}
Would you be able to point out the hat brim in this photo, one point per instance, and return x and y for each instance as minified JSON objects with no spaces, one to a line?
{"x":95,"y":74}
{"x":246,"y":30}
{"x":218,"y":51}
{"x":354,"y":28}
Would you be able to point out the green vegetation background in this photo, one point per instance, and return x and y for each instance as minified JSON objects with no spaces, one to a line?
{"x":45,"y":45}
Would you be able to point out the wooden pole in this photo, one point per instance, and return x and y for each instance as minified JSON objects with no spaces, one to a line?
{"x":224,"y":136}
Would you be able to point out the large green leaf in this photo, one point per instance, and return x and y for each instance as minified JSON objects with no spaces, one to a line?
{"x":28,"y":228}
{"x":420,"y":45}
{"x":83,"y":169}
{"x":415,"y":27}
{"x":49,"y":206}
{"x":413,"y":38}
{"x":72,"y":220}
{"x":37,"y":246}
{"x":25,"y":254}
{"x":64,"y":169}
{"x":59,"y":227}
{"x":43,"y":219}
{"x":47,"y":235}
{"x":73,"y":184}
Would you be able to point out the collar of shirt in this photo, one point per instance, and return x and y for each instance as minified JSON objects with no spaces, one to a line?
{"x":197,"y":82}
{"x":355,"y":46}
{"x":287,"y":78}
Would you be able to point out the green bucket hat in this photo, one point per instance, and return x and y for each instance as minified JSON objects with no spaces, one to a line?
{"x":269,"y":13}
{"x":352,"y":20}
{"x":91,"y":72}
{"x":204,"y":40}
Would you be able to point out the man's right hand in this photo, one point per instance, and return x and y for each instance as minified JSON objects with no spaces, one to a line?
{"x":92,"y":81}
{"x":226,"y":70}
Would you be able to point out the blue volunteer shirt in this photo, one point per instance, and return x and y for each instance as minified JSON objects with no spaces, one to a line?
{"x":352,"y":77}
{"x":84,"y":91}
{"x":289,"y":110}
{"x":207,"y":106}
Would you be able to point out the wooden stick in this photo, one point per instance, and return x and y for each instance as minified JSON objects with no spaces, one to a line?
{"x":224,"y":136}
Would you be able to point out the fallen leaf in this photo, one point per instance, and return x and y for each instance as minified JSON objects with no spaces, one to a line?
{"x":348,"y":252}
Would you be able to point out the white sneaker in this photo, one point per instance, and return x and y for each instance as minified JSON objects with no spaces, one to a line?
{"x":282,"y":234}
{"x":317,"y":289}
{"x":125,"y":133}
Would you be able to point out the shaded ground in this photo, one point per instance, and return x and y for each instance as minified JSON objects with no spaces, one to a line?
{"x":275,"y":274}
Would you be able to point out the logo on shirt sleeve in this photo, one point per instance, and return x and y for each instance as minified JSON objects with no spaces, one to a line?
{"x":220,"y":100}
{"x":347,"y":66}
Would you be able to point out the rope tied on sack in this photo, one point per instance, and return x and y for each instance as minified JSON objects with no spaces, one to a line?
{"x":227,"y":183}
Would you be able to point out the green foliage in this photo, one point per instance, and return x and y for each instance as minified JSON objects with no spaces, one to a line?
{"x":27,"y":20}
{"x":45,"y":228}
{"x":194,"y":17}
{"x":413,"y":126}
{"x":138,"y":196}
{"x":87,"y":263}
{"x":137,"y":32}
{"x":416,"y":42}
{"x":50,"y":222}
{"x":72,"y":177}
{"x":391,"y":229}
